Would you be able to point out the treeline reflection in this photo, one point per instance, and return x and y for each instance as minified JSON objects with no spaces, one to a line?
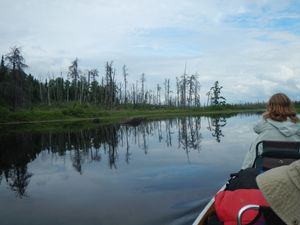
{"x":102,"y":143}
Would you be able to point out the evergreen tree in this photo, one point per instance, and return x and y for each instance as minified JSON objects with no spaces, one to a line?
{"x":2,"y":69}
{"x":216,"y":98}
{"x":16,"y":63}
{"x":74,"y":74}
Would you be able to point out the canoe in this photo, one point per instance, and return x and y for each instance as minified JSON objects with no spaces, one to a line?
{"x":274,"y":154}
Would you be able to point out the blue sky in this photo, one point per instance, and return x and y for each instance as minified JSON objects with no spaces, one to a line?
{"x":251,"y":47}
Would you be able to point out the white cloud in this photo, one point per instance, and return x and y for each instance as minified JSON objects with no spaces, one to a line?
{"x":229,"y":42}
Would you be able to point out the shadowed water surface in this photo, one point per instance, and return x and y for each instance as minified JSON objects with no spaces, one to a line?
{"x":160,"y":172}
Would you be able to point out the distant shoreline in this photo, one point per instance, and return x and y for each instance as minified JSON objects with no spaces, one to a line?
{"x":89,"y":113}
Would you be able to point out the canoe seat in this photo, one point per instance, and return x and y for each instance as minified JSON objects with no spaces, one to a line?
{"x":271,"y":154}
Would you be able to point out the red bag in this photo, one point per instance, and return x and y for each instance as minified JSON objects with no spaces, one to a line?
{"x":228,"y":204}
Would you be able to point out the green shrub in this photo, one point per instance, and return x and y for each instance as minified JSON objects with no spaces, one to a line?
{"x":73,"y":111}
{"x":4,"y":114}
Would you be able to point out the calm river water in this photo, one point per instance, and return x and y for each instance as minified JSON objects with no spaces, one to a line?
{"x":161,"y":172}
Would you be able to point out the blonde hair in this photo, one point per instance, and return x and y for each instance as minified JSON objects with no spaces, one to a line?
{"x":280,"y":108}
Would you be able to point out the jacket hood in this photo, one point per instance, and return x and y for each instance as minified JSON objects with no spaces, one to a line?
{"x":287,"y":128}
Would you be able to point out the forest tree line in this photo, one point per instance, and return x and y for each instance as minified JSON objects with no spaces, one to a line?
{"x":19,"y":89}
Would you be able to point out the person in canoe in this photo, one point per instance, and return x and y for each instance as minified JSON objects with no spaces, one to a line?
{"x":279,"y":123}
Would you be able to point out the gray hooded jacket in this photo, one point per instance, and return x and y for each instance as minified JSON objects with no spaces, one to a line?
{"x":274,"y":131}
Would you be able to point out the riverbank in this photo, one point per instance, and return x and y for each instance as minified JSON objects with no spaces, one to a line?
{"x":72,"y":117}
{"x":73,"y":112}
{"x":81,"y":113}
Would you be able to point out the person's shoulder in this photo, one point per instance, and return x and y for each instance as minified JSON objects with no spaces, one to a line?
{"x":260,"y":125}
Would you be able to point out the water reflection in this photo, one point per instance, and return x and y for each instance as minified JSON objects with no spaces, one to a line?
{"x":158,"y":172}
{"x":102,"y":143}
{"x":18,"y":180}
{"x":214,"y":125}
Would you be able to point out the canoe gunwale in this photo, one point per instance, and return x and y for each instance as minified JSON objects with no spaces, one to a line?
{"x":207,"y":210}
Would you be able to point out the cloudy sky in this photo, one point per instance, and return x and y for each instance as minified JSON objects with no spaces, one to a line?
{"x":251,"y":47}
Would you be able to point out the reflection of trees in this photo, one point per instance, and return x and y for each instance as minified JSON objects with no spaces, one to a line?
{"x":214,"y":125}
{"x":112,"y":142}
{"x":89,"y":145}
{"x":16,"y":151}
{"x":18,"y":180}
{"x":128,"y":154}
{"x":86,"y":146}
{"x":144,"y":133}
{"x":124,"y":139}
{"x":77,"y":160}
{"x":139,"y":136}
{"x":92,"y":145}
{"x":169,"y":132}
{"x":189,"y":136}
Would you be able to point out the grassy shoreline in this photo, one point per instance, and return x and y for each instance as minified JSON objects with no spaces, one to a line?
{"x":81,"y":113}
{"x":76,"y":112}
{"x":145,"y":114}
{"x":62,"y":118}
